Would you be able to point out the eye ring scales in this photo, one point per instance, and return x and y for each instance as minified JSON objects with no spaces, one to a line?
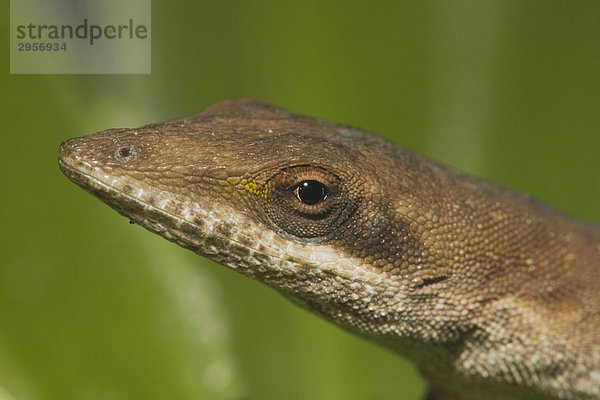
{"x":308,"y":202}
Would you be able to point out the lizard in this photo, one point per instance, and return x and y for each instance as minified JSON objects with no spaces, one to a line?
{"x":490,"y":292}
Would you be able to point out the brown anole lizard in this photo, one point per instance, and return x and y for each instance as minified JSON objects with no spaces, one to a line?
{"x":491,"y":293}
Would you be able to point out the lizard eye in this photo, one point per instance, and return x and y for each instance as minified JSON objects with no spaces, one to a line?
{"x":307,"y":202}
{"x":311,"y":192}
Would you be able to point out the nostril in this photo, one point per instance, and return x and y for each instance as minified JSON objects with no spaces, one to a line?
{"x":126,"y":153}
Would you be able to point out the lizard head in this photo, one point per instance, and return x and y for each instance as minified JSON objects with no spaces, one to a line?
{"x":327,"y":214}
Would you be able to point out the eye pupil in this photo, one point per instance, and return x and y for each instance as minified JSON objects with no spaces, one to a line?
{"x":311,"y":192}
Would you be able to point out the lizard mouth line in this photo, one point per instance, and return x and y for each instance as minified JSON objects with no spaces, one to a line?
{"x":87,"y":182}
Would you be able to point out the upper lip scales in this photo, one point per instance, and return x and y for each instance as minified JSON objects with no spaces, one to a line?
{"x":88,"y":182}
{"x":66,"y":162}
{"x":67,"y":155}
{"x":71,"y":167}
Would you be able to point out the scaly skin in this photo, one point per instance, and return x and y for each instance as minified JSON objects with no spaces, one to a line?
{"x":491,"y":293}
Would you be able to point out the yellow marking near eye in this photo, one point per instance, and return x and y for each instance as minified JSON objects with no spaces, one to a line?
{"x":255,"y":189}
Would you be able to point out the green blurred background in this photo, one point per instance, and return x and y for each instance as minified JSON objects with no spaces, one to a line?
{"x":94,"y":308}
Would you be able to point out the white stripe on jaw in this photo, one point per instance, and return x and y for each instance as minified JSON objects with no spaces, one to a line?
{"x":324,"y":257}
